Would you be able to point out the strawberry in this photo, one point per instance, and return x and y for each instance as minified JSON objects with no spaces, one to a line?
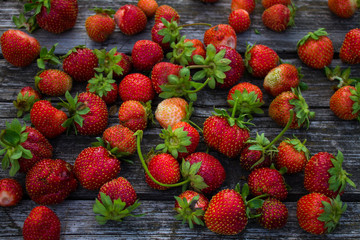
{"x":158,"y":37}
{"x":191,"y":207}
{"x":95,"y":166}
{"x":282,"y":78}
{"x":161,"y":72}
{"x":324,"y":174}
{"x":26,"y":99}
{"x":19,"y":48}
{"x":148,"y":7}
{"x":101,"y":25}
{"x":130,"y":19}
{"x":47,"y":119}
{"x":116,"y":200}
{"x":239,"y":20}
{"x":343,"y":8}
{"x":167,"y":12}
{"x":134,"y":114}
{"x":350,"y":51}
{"x":221,"y":34}
{"x":53,"y":82}
{"x":274,"y":214}
{"x":80,"y":63}
{"x":249,"y":87}
{"x":268,"y":3}
{"x":145,"y":54}
{"x":318,"y":214}
{"x":136,"y":86}
{"x":316,"y":49}
{"x":122,"y":138}
{"x":32,"y":145}
{"x":50,"y":181}
{"x":248,"y":5}
{"x":11,"y":192}
{"x":171,"y":111}
{"x":279,"y":17}
{"x":42,"y":223}
{"x":260,"y":59}
{"x":104,"y":87}
{"x":344,"y":103}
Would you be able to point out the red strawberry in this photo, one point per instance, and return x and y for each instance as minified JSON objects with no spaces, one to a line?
{"x":211,"y":170}
{"x":95,"y":166}
{"x":47,"y":119}
{"x":11,"y":192}
{"x":344,"y":103}
{"x":318,"y":214}
{"x":50,"y":181}
{"x":53,"y":82}
{"x":249,"y":87}
{"x":343,"y":8}
{"x":134,"y":114}
{"x":324,"y":174}
{"x":42,"y":223}
{"x":316,"y":49}
{"x":101,"y":25}
{"x":249,"y":158}
{"x":199,"y":49}
{"x":281,"y":79}
{"x":239,"y":20}
{"x":148,"y":7}
{"x":171,"y":111}
{"x":279,"y":17}
{"x":104,"y":87}
{"x":130,"y":19}
{"x":120,"y":137}
{"x":248,"y":5}
{"x":26,"y":99}
{"x":350,"y":50}
{"x":19,"y":48}
{"x":274,"y":214}
{"x":167,"y":12}
{"x":268,"y":3}
{"x":80,"y":63}
{"x":260,"y":59}
{"x":145,"y":54}
{"x":136,"y":86}
{"x":156,"y":37}
{"x":221,"y":34}
{"x":161,"y":72}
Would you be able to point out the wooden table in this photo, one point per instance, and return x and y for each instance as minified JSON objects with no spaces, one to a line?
{"x":326,"y":132}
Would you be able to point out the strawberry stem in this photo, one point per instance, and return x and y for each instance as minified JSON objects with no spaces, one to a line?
{"x":200,"y":88}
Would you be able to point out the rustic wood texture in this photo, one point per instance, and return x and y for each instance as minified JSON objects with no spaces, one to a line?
{"x":326,"y":132}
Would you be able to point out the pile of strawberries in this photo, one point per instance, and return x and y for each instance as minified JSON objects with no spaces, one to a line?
{"x":191,"y":66}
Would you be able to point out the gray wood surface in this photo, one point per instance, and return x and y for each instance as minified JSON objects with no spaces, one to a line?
{"x":326,"y":132}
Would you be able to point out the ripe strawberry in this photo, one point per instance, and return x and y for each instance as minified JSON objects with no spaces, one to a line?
{"x":161,"y":72}
{"x":167,"y":12}
{"x":279,"y":17}
{"x":211,"y":170}
{"x":145,"y":54}
{"x":282,"y":78}
{"x":26,"y":99}
{"x":274,"y":214}
{"x":50,"y":181}
{"x":19,"y":48}
{"x":344,"y":103}
{"x":156,"y":37}
{"x":239,"y":20}
{"x":316,"y":49}
{"x":122,"y":138}
{"x":134,"y":114}
{"x":267,"y":181}
{"x":148,"y":7}
{"x":343,"y":8}
{"x":171,"y":111}
{"x":136,"y":86}
{"x":350,"y":50}
{"x":318,"y":214}
{"x":260,"y":59}
{"x":199,"y":49}
{"x":95,"y":166}
{"x":130,"y":19}
{"x":221,"y":34}
{"x":101,"y":25}
{"x":11,"y":192}
{"x":47,"y":119}
{"x":249,"y":87}
{"x":268,"y":3}
{"x":104,"y":87}
{"x":29,"y":141}
{"x":324,"y":174}
{"x":248,"y":5}
{"x":80,"y":63}
{"x":253,"y":159}
{"x":42,"y":223}
{"x":53,"y":82}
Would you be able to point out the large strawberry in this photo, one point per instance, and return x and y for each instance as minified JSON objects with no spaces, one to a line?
{"x":101,"y":25}
{"x":19,"y":48}
{"x":248,"y":5}
{"x":11,"y":192}
{"x":344,"y":103}
{"x":23,"y":147}
{"x":160,"y":73}
{"x":135,"y":115}
{"x":26,"y":99}
{"x":104,"y":87}
{"x":350,"y":50}
{"x":239,"y":20}
{"x":343,"y":8}
{"x":137,"y":87}
{"x":166,"y":12}
{"x":269,"y":3}
{"x":130,"y":19}
{"x":274,"y":214}
{"x":145,"y":54}
{"x":279,"y":17}
{"x":148,"y":7}
{"x":53,"y":82}
{"x":221,"y":34}
{"x":171,"y":111}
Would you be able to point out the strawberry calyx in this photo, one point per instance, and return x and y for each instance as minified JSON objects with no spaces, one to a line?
{"x":109,"y":12}
{"x":252,"y":204}
{"x":113,"y":151}
{"x":303,"y":114}
{"x":356,"y":98}
{"x":332,"y":213}
{"x":73,"y":50}
{"x":29,"y":24}
{"x":11,"y":139}
{"x":247,"y":103}
{"x":108,"y":61}
{"x":247,"y":57}
{"x":299,"y":146}
{"x":24,"y":103}
{"x":187,"y":211}
{"x":189,"y":171}
{"x":48,"y":57}
{"x":182,"y":52}
{"x":312,"y":35}
{"x":113,"y":210}
{"x":101,"y":85}
{"x":342,"y":76}
{"x":292,"y":9}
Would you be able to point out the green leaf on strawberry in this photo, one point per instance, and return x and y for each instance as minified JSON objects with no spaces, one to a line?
{"x":303,"y":114}
{"x":108,"y":61}
{"x":332,"y":213}
{"x":101,"y":85}
{"x":182,"y":52}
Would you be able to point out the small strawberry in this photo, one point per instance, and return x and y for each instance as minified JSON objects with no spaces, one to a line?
{"x":167,"y":12}
{"x":221,"y":34}
{"x":136,"y":86}
{"x":148,"y":7}
{"x":19,"y":48}
{"x":279,"y":17}
{"x":260,"y":59}
{"x":53,"y":82}
{"x":199,"y":49}
{"x":171,"y":111}
{"x":316,"y":49}
{"x":11,"y":192}
{"x":80,"y":63}
{"x":130,"y":19}
{"x":104,"y":87}
{"x":318,"y":214}
{"x":134,"y":114}
{"x":350,"y":50}
{"x":26,"y":99}
{"x":249,"y":87}
{"x":121,"y":138}
{"x":42,"y":223}
{"x":268,"y":3}
{"x":239,"y":20}
{"x":145,"y":54}
{"x":324,"y":174}
{"x":343,"y":8}
{"x":101,"y":25}
{"x":160,"y":73}
{"x":274,"y":214}
{"x":344,"y":103}
{"x":248,"y":5}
